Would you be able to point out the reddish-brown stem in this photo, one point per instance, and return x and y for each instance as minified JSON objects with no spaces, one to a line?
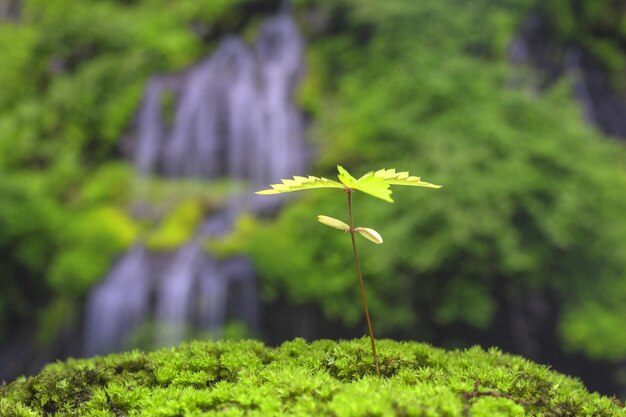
{"x":358,"y":272}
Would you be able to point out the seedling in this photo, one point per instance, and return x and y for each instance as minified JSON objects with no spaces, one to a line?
{"x":377,"y":184}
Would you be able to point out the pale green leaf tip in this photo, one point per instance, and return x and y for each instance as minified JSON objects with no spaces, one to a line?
{"x":332,"y":222}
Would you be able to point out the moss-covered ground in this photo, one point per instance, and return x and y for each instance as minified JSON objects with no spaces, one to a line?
{"x":324,"y":378}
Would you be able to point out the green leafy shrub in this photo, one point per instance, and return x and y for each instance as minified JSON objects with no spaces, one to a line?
{"x":28,"y":221}
{"x":91,"y":242}
{"x":322,"y":378}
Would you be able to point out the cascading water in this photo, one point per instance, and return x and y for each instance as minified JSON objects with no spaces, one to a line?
{"x":233,"y":117}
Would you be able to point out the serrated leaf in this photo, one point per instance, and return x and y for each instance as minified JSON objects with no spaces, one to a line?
{"x":345,"y":177}
{"x":376,"y":184}
{"x":301,"y":183}
{"x":390,"y":176}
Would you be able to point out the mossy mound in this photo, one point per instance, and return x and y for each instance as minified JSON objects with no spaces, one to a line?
{"x":324,"y":378}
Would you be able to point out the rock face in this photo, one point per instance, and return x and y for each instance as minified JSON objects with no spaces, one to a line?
{"x":230,"y":116}
{"x":322,"y":378}
{"x":539,"y":45}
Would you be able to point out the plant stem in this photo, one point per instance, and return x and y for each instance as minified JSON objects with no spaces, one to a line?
{"x":358,"y":272}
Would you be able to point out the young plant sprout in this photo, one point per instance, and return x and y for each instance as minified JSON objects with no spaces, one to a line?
{"x":377,"y":184}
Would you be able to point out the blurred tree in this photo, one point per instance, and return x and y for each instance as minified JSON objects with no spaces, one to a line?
{"x":532,"y":203}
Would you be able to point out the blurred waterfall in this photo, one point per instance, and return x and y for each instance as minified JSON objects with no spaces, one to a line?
{"x":232,"y":116}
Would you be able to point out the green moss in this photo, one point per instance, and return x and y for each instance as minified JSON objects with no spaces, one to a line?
{"x":234,"y":243}
{"x":165,"y":194}
{"x":323,"y":378}
{"x":178,"y":227}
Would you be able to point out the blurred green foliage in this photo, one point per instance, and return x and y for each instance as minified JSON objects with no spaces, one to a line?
{"x":533,"y":197}
{"x":72,"y":75}
{"x":90,"y":241}
{"x":235,"y":242}
{"x":178,"y":227}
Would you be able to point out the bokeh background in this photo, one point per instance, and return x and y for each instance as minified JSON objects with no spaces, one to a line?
{"x":133,"y":133}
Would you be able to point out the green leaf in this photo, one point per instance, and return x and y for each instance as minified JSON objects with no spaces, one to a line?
{"x":301,"y":183}
{"x":345,"y":177}
{"x":390,"y":176}
{"x":376,"y":184}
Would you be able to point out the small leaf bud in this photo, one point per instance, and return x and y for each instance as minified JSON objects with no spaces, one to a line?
{"x":370,"y":234}
{"x":332,"y":222}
